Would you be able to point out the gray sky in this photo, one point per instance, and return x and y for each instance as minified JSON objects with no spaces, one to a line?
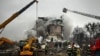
{"x":17,"y":28}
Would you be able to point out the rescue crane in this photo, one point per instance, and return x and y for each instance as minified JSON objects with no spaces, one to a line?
{"x":4,"y":24}
{"x":4,"y":40}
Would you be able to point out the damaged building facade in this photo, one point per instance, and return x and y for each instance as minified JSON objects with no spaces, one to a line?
{"x":49,"y":28}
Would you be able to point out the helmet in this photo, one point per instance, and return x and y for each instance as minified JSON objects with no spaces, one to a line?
{"x":77,"y":46}
{"x":69,"y":46}
{"x":89,"y":45}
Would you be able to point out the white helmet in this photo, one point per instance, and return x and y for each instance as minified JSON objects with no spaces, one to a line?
{"x":69,"y":46}
{"x":88,"y":45}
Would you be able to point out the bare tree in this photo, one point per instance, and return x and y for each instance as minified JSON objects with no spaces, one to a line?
{"x":80,"y":36}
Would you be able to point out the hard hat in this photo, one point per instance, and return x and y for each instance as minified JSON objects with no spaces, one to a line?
{"x":89,"y":45}
{"x":69,"y":46}
{"x":77,"y":46}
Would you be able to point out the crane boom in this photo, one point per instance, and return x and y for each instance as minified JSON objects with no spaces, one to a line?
{"x":81,"y":13}
{"x":16,"y":14}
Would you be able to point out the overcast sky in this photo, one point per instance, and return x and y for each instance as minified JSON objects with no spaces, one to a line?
{"x":17,"y":28}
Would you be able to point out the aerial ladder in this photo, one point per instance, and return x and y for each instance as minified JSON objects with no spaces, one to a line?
{"x":4,"y":24}
{"x":81,"y":13}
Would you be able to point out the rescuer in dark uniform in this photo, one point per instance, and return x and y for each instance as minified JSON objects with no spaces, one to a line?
{"x":88,"y":51}
{"x":74,"y":51}
{"x":69,"y":50}
{"x":46,"y":50}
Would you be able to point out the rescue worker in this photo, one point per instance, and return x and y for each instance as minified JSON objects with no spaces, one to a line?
{"x":46,"y":50}
{"x":88,"y":51}
{"x":69,"y":50}
{"x":78,"y":50}
{"x":92,"y":47}
{"x":73,"y":49}
{"x":83,"y":50}
{"x":97,"y":45}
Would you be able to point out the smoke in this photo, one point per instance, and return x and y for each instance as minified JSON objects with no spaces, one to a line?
{"x":30,"y":33}
{"x":40,"y":39}
{"x":67,"y":27}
